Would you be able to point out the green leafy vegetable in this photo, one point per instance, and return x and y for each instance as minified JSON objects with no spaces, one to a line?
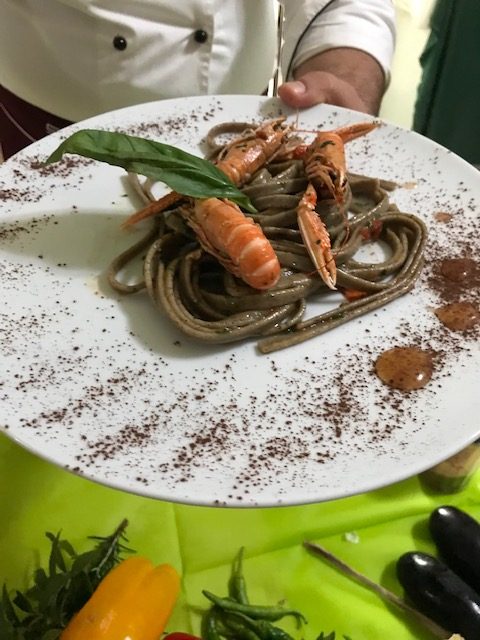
{"x":43,"y":610}
{"x":181,"y":171}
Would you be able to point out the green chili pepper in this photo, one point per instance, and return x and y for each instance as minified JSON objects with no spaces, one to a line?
{"x":210,"y":630}
{"x":262,"y":628}
{"x":235,"y":628}
{"x":237,"y":588}
{"x":257,"y":612}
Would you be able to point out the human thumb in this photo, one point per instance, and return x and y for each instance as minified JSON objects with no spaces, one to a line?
{"x":298,"y":95}
{"x":315,"y":87}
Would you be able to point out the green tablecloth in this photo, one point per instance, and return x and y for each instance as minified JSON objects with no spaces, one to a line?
{"x":36,"y":496}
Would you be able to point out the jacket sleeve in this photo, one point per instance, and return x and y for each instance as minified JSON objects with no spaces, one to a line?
{"x":313,"y":26}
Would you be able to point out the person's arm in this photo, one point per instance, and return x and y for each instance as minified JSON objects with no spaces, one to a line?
{"x":344,"y":76}
{"x":337,"y":51}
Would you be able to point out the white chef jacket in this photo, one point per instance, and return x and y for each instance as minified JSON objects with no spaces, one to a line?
{"x":78,"y":58}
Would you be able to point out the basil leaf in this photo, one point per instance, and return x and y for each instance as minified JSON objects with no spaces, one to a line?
{"x":181,"y":171}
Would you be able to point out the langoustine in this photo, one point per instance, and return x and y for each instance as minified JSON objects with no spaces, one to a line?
{"x":326,"y":171}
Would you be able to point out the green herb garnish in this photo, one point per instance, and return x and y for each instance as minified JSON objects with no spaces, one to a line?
{"x":183,"y":172}
{"x":58,"y":592}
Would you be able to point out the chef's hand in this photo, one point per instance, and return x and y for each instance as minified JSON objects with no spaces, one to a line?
{"x":344,"y":77}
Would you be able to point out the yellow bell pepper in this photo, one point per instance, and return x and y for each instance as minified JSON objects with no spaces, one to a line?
{"x":132,"y":602}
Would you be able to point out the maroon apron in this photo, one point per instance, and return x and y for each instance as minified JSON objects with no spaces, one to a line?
{"x":21,"y":123}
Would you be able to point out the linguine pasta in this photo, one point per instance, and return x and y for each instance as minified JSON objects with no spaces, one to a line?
{"x":207,"y":303}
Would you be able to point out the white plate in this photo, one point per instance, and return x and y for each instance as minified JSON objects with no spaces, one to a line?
{"x":105,"y":387}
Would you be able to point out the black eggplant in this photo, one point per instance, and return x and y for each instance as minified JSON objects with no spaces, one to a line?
{"x":457,"y":537}
{"x":440,"y":594}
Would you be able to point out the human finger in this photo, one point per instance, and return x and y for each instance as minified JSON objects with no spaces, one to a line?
{"x":316,"y":87}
